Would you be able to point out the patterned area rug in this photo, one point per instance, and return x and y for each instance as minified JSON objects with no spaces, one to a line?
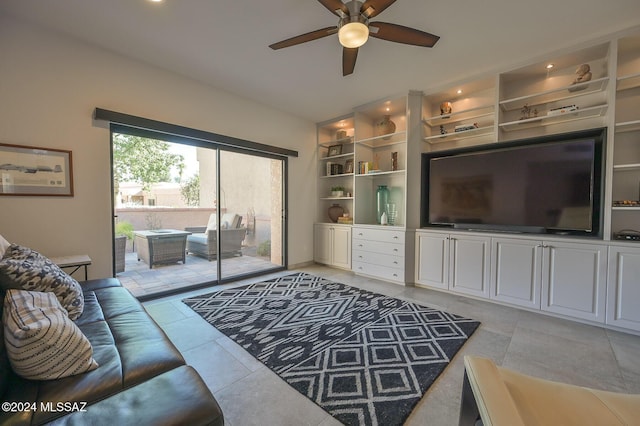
{"x":363,"y":357}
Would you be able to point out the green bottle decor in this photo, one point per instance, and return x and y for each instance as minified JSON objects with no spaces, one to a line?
{"x":382,"y":199}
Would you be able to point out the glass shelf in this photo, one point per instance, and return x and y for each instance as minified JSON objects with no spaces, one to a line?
{"x":626,"y":167}
{"x":336,"y":176}
{"x":336,"y":198}
{"x":343,"y":141}
{"x":381,"y":173}
{"x":384,"y":140}
{"x":561,"y":93}
{"x":546,"y":120}
{"x":626,"y":82}
{"x":628,"y":126}
{"x":456,"y":136}
{"x":334,"y":157}
{"x":456,"y":117}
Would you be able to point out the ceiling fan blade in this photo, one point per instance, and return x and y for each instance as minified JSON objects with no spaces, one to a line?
{"x":303,"y":38}
{"x":349,"y":57}
{"x":377,"y":5}
{"x":402,"y":34}
{"x":333,"y":5}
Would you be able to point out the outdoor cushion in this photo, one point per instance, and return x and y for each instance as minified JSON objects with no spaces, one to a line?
{"x":26,"y":269}
{"x":41,"y":341}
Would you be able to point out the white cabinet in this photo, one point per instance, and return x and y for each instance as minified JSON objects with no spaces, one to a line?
{"x":332,"y":245}
{"x":516,"y":271}
{"x":432,"y":259}
{"x":456,"y":262}
{"x":574,"y":280}
{"x":623,"y":299}
{"x":379,"y":252}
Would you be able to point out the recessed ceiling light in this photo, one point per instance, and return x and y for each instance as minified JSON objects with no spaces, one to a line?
{"x":459,"y":92}
{"x":155,"y":1}
{"x":549,"y":66}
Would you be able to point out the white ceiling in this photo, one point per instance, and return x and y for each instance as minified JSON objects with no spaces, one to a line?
{"x":225,"y":43}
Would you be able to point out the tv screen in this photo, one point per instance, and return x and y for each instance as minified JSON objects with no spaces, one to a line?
{"x":550,"y":184}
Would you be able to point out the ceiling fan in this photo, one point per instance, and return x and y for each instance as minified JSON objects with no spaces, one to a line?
{"x":354,"y":30}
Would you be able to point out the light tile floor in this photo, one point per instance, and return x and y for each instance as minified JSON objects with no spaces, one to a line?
{"x":551,"y":348}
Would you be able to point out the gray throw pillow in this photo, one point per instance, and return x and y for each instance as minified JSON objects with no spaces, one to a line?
{"x":26,"y":269}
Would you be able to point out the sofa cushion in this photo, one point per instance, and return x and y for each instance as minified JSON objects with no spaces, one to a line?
{"x":41,"y":341}
{"x":4,"y":245}
{"x":26,"y":269}
{"x":128,"y":346}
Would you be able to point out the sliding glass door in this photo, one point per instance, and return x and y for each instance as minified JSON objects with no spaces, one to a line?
{"x":194,"y":214}
{"x":250,"y":198}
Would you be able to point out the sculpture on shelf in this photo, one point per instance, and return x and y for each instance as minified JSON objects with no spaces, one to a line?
{"x":443,"y":131}
{"x":385,"y":127}
{"x":445,"y":108}
{"x":583,"y":74}
{"x":527,"y":112}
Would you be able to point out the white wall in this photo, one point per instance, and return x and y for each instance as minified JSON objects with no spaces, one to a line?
{"x":49,"y":87}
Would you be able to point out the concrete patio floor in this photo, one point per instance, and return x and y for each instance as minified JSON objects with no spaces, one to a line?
{"x":142,"y":281}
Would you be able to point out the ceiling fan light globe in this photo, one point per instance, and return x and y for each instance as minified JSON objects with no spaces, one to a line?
{"x":353,"y":34}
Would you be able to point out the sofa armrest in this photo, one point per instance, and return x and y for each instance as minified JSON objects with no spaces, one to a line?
{"x":177,"y":397}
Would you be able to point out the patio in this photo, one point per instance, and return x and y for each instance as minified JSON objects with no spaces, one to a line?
{"x":142,"y":281}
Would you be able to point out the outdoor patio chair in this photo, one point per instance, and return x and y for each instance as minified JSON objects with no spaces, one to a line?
{"x":203,"y":241}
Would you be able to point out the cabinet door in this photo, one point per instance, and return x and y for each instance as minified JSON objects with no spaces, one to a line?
{"x":469,"y":265}
{"x":623,"y":300}
{"x":574,"y":280}
{"x":322,"y":244}
{"x":341,"y":247}
{"x":432,"y":259}
{"x":515,"y":275}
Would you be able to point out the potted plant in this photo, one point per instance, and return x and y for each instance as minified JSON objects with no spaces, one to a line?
{"x":337,"y":191}
{"x":124,"y":232}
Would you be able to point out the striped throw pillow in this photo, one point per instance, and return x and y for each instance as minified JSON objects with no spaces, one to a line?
{"x":41,"y":341}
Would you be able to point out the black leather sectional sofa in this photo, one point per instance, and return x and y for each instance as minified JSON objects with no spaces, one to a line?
{"x":142,"y":379}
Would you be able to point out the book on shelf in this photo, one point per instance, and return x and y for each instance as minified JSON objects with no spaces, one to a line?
{"x":364,"y":167}
{"x":334,"y":168}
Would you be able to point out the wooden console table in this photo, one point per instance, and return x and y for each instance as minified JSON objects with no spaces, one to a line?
{"x":75,"y":261}
{"x":161,"y":246}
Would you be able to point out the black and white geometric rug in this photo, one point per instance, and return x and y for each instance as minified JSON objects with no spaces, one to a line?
{"x":365,"y":358}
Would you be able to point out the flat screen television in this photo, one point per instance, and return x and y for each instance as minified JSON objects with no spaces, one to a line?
{"x":551,"y":184}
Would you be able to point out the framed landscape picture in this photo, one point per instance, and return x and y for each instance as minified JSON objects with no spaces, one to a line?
{"x":28,"y":170}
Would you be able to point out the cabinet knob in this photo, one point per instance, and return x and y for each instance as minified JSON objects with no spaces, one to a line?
{"x":360,"y":257}
{"x":395,"y":275}
{"x":395,"y":237}
{"x":360,"y":233}
{"x":395,"y":262}
{"x":395,"y":249}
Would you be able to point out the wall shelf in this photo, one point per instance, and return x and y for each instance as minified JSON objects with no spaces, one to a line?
{"x":628,"y":126}
{"x":627,"y":82}
{"x":381,"y":173}
{"x":554,"y":95}
{"x":336,"y":176}
{"x":384,"y":140}
{"x":456,"y":117}
{"x":546,"y":120}
{"x":456,"y":136}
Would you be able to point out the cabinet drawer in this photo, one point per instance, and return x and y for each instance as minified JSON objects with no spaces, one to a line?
{"x":381,"y":247}
{"x":384,"y":235}
{"x":378,"y":259}
{"x":383,"y":272}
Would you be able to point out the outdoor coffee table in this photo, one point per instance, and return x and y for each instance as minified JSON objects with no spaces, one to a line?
{"x":161,"y":246}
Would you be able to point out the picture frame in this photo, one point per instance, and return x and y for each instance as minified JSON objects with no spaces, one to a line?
{"x":29,"y":170}
{"x":334,"y":150}
{"x":348,"y":166}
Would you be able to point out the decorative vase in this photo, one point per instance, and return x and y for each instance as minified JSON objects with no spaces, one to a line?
{"x":335,"y":211}
{"x":341,"y":134}
{"x":382,"y":199}
{"x":385,"y":127}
